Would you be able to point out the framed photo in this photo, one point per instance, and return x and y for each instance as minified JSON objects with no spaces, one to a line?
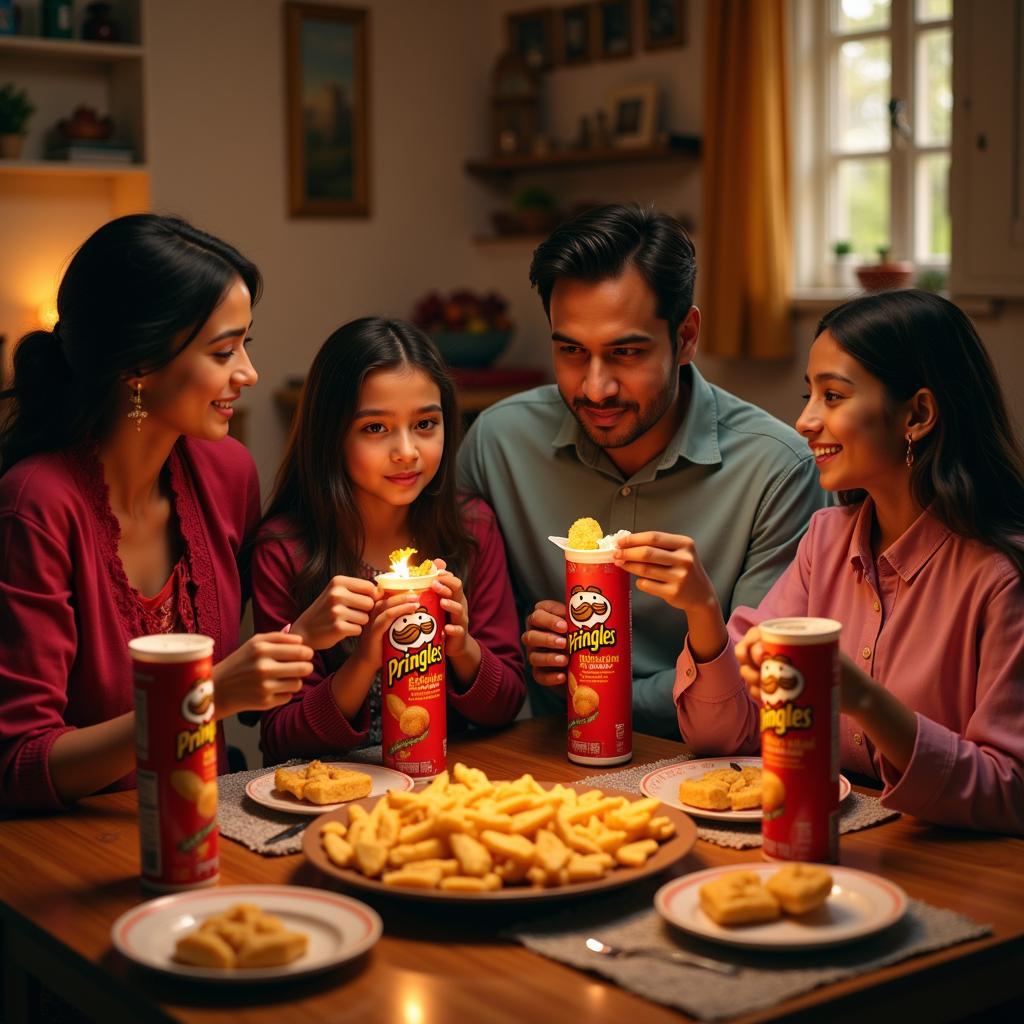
{"x":328,"y":143}
{"x":529,"y":34}
{"x":615,"y":28}
{"x":576,"y":34}
{"x":633,"y":115}
{"x":664,"y":23}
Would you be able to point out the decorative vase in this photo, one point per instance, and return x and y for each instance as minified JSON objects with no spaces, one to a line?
{"x":883,"y":277}
{"x":467,"y":349}
{"x":11,"y":146}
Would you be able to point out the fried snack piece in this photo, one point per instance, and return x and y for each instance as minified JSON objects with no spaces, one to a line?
{"x":738,"y":898}
{"x":585,"y":700}
{"x":425,"y":568}
{"x":401,"y":555}
{"x":711,"y":794}
{"x":584,"y":534}
{"x":322,"y":784}
{"x":745,"y":796}
{"x":800,"y":888}
{"x":242,"y":936}
{"x":414,"y":720}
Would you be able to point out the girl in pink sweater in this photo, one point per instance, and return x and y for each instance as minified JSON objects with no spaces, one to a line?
{"x":124,"y":506}
{"x":370,"y":467}
{"x":921,"y":563}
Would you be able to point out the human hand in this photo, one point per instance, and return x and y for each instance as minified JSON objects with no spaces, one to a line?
{"x":385,"y":612}
{"x":265,"y":672}
{"x":545,"y":642}
{"x":750,"y":654}
{"x":342,"y":610}
{"x":453,"y":601}
{"x":667,"y":566}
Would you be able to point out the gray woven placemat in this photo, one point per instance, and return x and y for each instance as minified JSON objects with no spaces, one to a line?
{"x":252,"y":824}
{"x":857,"y":811}
{"x":765,"y":979}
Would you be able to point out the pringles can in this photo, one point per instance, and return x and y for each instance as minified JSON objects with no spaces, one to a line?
{"x":414,"y":727}
{"x":176,"y":754}
{"x":599,"y":641}
{"x":800,"y":739}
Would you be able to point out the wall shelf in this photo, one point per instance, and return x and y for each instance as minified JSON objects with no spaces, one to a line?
{"x":70,"y":169}
{"x":41,"y":46}
{"x":685,"y":147}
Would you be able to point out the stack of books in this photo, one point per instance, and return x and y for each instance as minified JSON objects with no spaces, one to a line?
{"x":102,"y":151}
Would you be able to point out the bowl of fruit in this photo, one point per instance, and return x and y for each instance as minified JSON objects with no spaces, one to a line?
{"x":469,"y":329}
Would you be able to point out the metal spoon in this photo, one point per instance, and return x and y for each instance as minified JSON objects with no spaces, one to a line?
{"x":676,"y":956}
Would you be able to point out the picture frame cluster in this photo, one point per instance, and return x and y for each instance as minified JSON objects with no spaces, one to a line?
{"x":580,"y":33}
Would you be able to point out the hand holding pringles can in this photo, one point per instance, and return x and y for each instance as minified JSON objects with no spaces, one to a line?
{"x":800,"y":739}
{"x":414,"y":731}
{"x":599,"y":640}
{"x":176,"y":754}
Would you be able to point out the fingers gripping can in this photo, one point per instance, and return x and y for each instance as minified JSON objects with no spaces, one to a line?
{"x":176,"y":755}
{"x":600,"y":698}
{"x":414,"y":728}
{"x":800,"y":739}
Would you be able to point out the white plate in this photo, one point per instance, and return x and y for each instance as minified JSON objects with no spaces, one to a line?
{"x":261,"y":789}
{"x":663,"y":783}
{"x":339,"y":928}
{"x":860,"y":904}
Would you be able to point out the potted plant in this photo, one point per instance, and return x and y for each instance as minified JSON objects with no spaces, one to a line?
{"x":841,"y":251}
{"x":15,"y":110}
{"x":886,"y":273}
{"x":469,"y":329}
{"x":537,"y":210}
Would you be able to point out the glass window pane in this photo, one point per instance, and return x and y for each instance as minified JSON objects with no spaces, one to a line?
{"x":862,"y":204}
{"x":934,"y":86}
{"x":862,"y":100}
{"x":934,"y":10}
{"x":860,"y":15}
{"x":932,"y":222}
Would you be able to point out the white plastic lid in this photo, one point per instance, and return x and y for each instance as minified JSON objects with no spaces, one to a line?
{"x":392,"y":581}
{"x":800,"y":631}
{"x":171,"y":647}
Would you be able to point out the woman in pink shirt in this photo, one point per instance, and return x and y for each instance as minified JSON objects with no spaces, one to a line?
{"x":124,"y":507}
{"x":921,"y":564}
{"x":371,"y":468}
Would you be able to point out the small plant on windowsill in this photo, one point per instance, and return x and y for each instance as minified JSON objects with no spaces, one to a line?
{"x":886,"y":274}
{"x":841,"y":275}
{"x":15,"y":110}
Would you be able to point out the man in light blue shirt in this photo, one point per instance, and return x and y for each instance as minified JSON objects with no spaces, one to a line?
{"x":632,"y":435}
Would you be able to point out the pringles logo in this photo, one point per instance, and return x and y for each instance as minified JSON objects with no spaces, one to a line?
{"x":197,"y":707}
{"x":589,"y":610}
{"x":781,"y":684}
{"x":412,"y":635}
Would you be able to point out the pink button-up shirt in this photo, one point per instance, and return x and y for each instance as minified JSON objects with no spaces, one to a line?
{"x":939,"y":621}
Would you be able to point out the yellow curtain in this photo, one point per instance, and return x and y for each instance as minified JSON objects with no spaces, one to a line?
{"x":746,"y":257}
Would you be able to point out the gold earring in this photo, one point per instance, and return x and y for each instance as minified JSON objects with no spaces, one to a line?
{"x":138,"y":414}
{"x":910,"y":450}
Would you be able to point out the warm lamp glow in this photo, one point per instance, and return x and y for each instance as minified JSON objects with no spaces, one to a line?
{"x":47,"y":314}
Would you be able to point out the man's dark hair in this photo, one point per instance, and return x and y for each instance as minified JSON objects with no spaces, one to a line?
{"x":599,"y":243}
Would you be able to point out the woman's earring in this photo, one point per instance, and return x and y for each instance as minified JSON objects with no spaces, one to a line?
{"x":137,"y":413}
{"x":910,"y":449}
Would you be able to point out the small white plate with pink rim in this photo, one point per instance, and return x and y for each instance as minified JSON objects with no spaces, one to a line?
{"x":338,"y":928}
{"x":262,"y":789}
{"x":663,"y":783}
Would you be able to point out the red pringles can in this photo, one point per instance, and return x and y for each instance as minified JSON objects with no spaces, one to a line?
{"x":599,"y":641}
{"x":176,"y":754}
{"x":414,"y":727}
{"x":800,"y":739}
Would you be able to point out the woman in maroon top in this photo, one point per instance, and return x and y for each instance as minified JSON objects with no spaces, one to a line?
{"x":123,"y":506}
{"x":371,"y":468}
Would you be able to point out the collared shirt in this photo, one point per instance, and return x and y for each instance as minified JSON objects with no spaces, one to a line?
{"x":737,"y":480}
{"x":939,"y":621}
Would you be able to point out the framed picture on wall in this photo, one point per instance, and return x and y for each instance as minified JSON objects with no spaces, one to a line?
{"x":615,"y":28}
{"x":633,"y":115}
{"x":664,"y":23}
{"x":529,"y":34}
{"x":328,"y":144}
{"x":576,"y":34}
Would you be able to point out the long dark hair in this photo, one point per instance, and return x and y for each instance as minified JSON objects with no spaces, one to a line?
{"x":313,"y":489}
{"x":969,"y":470}
{"x":600,"y":243}
{"x":132,"y":298}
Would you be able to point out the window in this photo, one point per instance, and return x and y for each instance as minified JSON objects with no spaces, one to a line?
{"x":873,"y":121}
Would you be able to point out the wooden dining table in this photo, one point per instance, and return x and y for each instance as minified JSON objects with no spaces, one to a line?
{"x":65,"y":878}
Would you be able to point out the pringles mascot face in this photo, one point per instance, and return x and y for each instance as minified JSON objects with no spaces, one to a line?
{"x":197,"y":706}
{"x":588,"y":607}
{"x":781,"y":681}
{"x":413,"y":630}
